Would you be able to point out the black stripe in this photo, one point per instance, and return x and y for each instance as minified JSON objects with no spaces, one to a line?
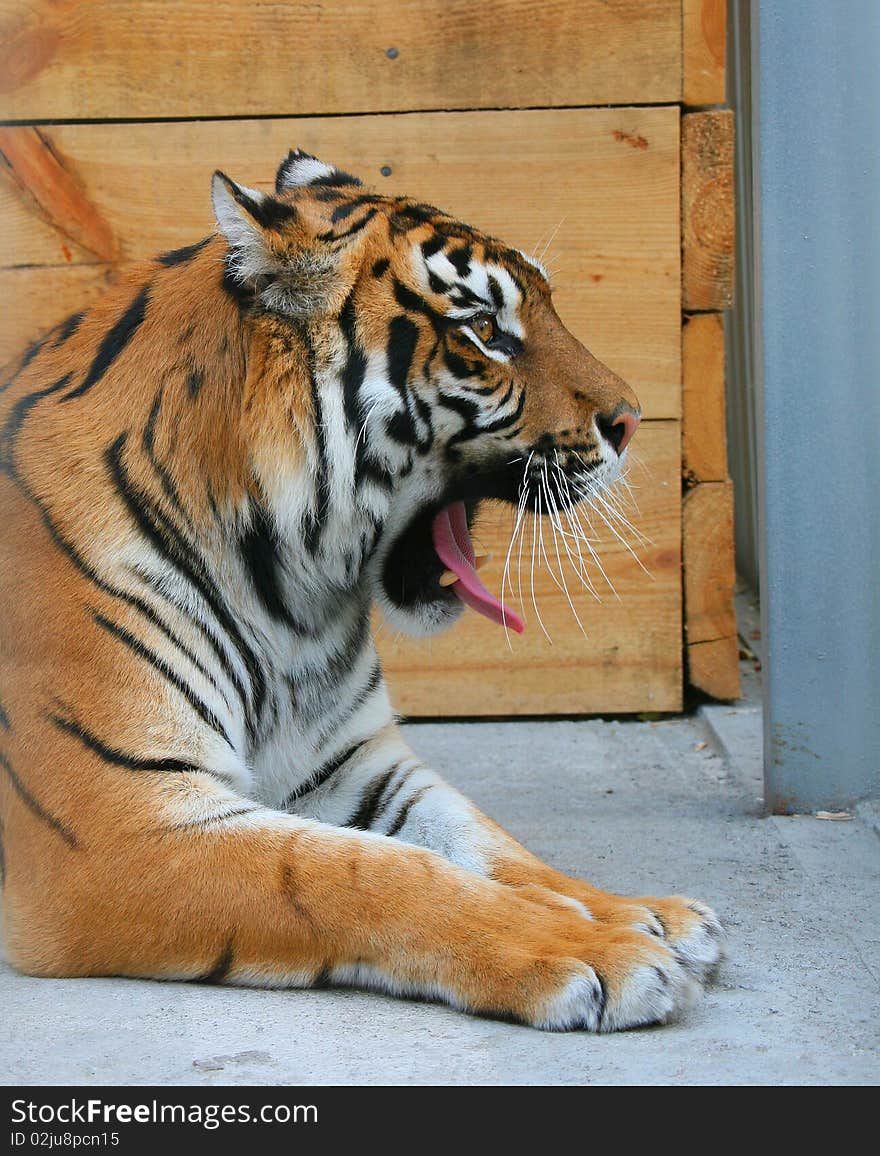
{"x":194,"y":382}
{"x":329,"y":235}
{"x":412,"y":303}
{"x":345,"y":210}
{"x":71,"y":553}
{"x":233,"y":288}
{"x":148,"y":445}
{"x":466,"y":409}
{"x":36,"y":809}
{"x":16,"y":419}
{"x":471,"y":430}
{"x":390,"y":796}
{"x":366,"y":466}
{"x":159,"y":664}
{"x":335,"y":179}
{"x":343,"y":660}
{"x":403,"y":337}
{"x":261,"y":554}
{"x":461,"y":367}
{"x":266,"y":211}
{"x":464,"y":296}
{"x":365,"y":815}
{"x":415,"y":214}
{"x":172,"y":546}
{"x":115,"y":341}
{"x":67,"y":328}
{"x":380,"y":267}
{"x":317,"y":518}
{"x":325,"y":772}
{"x":139,"y":604}
{"x":355,"y":367}
{"x":460,"y":259}
{"x":152,"y":616}
{"x":222,"y":967}
{"x":504,"y":422}
{"x":507,"y":396}
{"x":433,"y":245}
{"x":358,"y":700}
{"x":182,"y":255}
{"x":403,"y":813}
{"x":116,"y":757}
{"x":4,"y":718}
{"x":495,"y":290}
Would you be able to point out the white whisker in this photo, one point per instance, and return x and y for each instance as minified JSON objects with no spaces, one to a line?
{"x":534,"y":550}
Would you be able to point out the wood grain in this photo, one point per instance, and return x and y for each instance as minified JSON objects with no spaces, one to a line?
{"x":703,"y":419}
{"x":90,"y":59}
{"x":604,"y":181}
{"x":46,"y":187}
{"x":704,"y":52}
{"x":707,"y":202}
{"x":630,"y":659}
{"x":707,"y":535}
{"x":713,"y":667}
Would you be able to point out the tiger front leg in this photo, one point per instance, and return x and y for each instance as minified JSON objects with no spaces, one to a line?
{"x":381,"y":786}
{"x":193,"y":884}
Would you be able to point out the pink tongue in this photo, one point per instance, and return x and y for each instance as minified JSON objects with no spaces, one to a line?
{"x":452,"y":541}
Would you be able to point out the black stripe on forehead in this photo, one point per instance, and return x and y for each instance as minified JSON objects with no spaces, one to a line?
{"x":496,"y":291}
{"x":460,"y":259}
{"x":515,"y":264}
{"x":462,"y":296}
{"x":343,"y":211}
{"x":433,"y":245}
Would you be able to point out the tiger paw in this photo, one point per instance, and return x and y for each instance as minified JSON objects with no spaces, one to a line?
{"x":555,"y":969}
{"x":693,"y":931}
{"x":623,"y":979}
{"x":690,"y":928}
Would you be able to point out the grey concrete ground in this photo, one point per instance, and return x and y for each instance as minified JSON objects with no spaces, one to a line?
{"x":638,"y":807}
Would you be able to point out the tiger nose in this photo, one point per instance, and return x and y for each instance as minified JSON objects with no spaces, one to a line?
{"x":618,"y":429}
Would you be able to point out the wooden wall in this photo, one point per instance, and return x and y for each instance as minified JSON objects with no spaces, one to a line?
{"x":566,"y":123}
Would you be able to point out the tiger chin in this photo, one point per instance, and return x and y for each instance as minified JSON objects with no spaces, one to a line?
{"x":208,"y":479}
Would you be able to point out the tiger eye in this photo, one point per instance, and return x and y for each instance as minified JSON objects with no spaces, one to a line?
{"x":484,"y":327}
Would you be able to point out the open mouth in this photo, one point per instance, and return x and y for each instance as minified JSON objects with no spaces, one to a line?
{"x":433,"y":561}
{"x":450,"y":534}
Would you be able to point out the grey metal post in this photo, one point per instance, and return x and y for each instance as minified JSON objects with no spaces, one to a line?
{"x":818,"y":192}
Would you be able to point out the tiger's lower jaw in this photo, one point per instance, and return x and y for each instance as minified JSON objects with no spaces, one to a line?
{"x":408,"y":589}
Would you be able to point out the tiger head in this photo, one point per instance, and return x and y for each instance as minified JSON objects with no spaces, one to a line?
{"x":441,"y":372}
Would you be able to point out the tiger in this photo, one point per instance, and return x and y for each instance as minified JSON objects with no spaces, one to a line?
{"x":210,"y":479}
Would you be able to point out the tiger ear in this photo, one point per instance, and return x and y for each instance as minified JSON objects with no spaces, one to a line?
{"x":246,"y":217}
{"x":300,"y":168}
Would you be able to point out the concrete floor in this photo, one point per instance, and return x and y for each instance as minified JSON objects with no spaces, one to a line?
{"x":638,"y":807}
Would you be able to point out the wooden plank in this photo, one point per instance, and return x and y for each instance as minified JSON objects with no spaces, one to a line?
{"x":605,"y":181}
{"x":631,"y":657}
{"x":703,"y":416}
{"x":46,"y":188}
{"x":704,"y":43}
{"x":206,"y":58}
{"x":707,"y":530}
{"x":713,"y":667}
{"x":707,"y":210}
